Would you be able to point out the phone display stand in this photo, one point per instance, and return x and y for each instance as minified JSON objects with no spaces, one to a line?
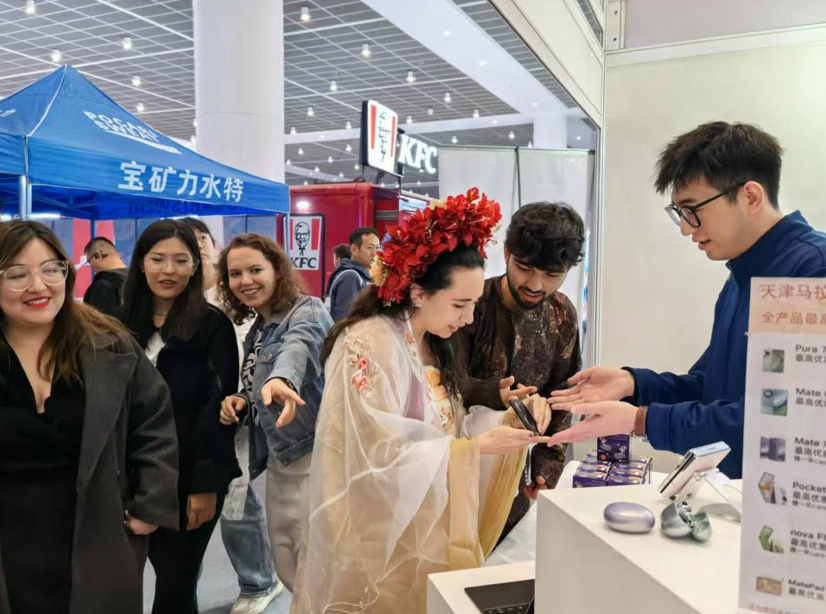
{"x":732,"y":509}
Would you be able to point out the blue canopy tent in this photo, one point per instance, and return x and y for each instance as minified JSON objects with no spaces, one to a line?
{"x":67,"y":148}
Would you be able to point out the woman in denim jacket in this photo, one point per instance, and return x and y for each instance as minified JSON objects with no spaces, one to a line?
{"x":281,"y":371}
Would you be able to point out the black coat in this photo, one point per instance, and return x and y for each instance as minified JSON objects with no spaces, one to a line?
{"x":105,"y":292}
{"x":200,"y":373}
{"x":128,"y":461}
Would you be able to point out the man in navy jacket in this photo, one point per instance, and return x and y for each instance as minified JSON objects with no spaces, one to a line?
{"x":724,"y":181}
{"x":353,"y":273}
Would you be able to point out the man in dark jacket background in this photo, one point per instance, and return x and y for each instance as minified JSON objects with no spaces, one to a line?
{"x":353,"y":273}
{"x":110,"y":273}
{"x":724,"y":181}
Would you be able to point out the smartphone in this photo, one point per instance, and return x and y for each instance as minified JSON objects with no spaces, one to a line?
{"x":524,"y":415}
{"x":697,"y":460}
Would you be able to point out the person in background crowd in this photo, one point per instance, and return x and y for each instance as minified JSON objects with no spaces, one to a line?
{"x":193,"y":346}
{"x":243,"y":518}
{"x":724,"y":181}
{"x":353,"y":273}
{"x":340,"y":252}
{"x":397,"y":489}
{"x":282,"y":369}
{"x":88,"y":455}
{"x":526,"y":331}
{"x":104,"y":294}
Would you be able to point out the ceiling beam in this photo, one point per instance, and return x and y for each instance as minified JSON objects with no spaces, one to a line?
{"x":305,"y":172}
{"x":445,"y":125}
{"x":135,"y":15}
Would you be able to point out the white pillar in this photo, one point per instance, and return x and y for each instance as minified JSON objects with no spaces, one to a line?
{"x":239,"y":84}
{"x":239,"y":87}
{"x":550,"y":131}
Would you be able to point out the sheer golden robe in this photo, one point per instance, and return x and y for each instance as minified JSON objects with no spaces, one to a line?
{"x":398,"y":488}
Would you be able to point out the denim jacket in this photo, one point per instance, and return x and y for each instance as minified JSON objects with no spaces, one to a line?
{"x":291,"y":350}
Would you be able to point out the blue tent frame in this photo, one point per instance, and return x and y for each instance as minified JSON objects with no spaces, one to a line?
{"x":67,"y":148}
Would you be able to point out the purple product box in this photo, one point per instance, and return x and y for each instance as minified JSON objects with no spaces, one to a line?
{"x":592,"y":473}
{"x":590,"y":464}
{"x":624,"y":471}
{"x":621,"y":469}
{"x":614,"y":448}
{"x":623,"y":480}
{"x":589,"y":479}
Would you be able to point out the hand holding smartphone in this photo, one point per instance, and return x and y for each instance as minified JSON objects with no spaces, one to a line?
{"x":524,"y":415}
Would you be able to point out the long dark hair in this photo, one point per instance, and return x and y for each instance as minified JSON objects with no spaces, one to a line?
{"x":288,"y":286}
{"x":189,"y":307}
{"x":448,"y":353}
{"x":75,"y":326}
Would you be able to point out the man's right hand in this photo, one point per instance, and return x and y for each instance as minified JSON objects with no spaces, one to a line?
{"x":594,"y":385}
{"x":520,"y":392}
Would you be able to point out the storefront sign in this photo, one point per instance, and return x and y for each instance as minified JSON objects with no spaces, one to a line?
{"x":305,"y":241}
{"x":417,"y":154}
{"x":166,"y":180}
{"x":783,"y":548}
{"x":379,"y":139}
{"x":384,"y":149}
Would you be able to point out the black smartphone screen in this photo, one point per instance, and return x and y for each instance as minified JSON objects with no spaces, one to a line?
{"x":524,"y":415}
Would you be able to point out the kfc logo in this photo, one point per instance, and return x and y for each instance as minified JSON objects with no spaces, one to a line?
{"x":305,"y":242}
{"x":381,"y":125}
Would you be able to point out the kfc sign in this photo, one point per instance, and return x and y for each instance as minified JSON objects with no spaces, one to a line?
{"x":417,"y":154}
{"x":384,"y":149}
{"x":305,"y":241}
{"x":379,"y":137}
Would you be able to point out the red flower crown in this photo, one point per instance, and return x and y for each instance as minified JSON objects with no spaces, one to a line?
{"x":415,"y":244}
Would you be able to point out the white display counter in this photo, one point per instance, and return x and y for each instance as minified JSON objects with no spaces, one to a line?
{"x":585,"y":567}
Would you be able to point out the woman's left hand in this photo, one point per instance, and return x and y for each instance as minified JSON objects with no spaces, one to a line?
{"x":540,"y":410}
{"x":277,"y":390}
{"x":200,"y":508}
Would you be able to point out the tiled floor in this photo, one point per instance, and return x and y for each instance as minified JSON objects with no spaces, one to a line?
{"x":218,"y":587}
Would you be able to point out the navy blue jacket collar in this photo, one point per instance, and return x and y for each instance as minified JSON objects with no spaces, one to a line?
{"x":754,"y":260}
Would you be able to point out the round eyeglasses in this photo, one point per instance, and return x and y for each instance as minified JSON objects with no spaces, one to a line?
{"x":20,"y":277}
{"x":159,"y":264}
{"x":689,"y":212}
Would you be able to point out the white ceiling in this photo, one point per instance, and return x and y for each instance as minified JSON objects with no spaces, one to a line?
{"x":89,"y":35}
{"x":660,"y":22}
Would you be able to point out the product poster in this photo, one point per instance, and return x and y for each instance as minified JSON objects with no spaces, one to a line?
{"x":783,"y":550}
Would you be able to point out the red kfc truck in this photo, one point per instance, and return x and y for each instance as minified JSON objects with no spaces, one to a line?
{"x":322,"y":216}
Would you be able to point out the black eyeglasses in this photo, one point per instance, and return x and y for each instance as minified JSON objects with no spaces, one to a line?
{"x":689,"y":212}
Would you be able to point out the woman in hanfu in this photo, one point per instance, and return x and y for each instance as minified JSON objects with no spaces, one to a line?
{"x":404,"y":481}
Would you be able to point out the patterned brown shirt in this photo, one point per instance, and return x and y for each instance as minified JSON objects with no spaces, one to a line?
{"x":539,"y":347}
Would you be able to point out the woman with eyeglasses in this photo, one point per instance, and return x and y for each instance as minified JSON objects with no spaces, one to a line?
{"x":88,"y":456}
{"x":193,"y":346}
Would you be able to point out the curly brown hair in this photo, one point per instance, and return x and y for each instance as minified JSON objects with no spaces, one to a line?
{"x":288,"y":284}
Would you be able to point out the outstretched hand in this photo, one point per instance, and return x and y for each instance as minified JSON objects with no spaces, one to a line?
{"x":602,"y":419}
{"x":276,"y":390}
{"x":520,"y":392}
{"x":594,"y":385}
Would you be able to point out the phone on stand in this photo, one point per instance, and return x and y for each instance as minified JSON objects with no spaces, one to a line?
{"x":524,"y":415}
